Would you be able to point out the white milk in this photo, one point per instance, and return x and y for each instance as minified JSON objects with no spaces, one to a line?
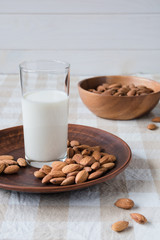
{"x":45,"y":122}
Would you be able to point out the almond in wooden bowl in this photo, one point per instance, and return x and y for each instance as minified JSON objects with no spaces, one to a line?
{"x":119,"y":97}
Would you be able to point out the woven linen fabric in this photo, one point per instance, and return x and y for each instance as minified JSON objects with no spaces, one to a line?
{"x":86,"y":214}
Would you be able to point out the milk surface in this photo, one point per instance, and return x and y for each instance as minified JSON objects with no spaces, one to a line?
{"x":45,"y":122}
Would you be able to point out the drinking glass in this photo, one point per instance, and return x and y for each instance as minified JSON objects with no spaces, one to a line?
{"x":45,"y":103}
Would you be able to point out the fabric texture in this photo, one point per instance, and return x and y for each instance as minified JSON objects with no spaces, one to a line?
{"x":86,"y":214}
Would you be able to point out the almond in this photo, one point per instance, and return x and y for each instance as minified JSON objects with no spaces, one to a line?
{"x":107,"y":158}
{"x":86,"y":152}
{"x":2,"y":167}
{"x":68,"y":143}
{"x":141,"y":87}
{"x":70,"y":168}
{"x":80,"y":166}
{"x":21,"y":162}
{"x":57,"y":174}
{"x":70,"y":152}
{"x":46,"y":169}
{"x":74,"y":143}
{"x":8,"y":162}
{"x":123,"y":90}
{"x":115,"y":85}
{"x":100,"y":88}
{"x":105,"y":85}
{"x":58,"y":165}
{"x":156,"y":119}
{"x":111,"y":158}
{"x":98,"y":92}
{"x":139,"y":218}
{"x":39,"y":174}
{"x":95,"y":166}
{"x":104,"y":154}
{"x":132,"y":85}
{"x":143,"y":93}
{"x":11,"y":169}
{"x":81,"y":176}
{"x":87,"y":161}
{"x":81,"y":147}
{"x":151,"y":126}
{"x":124,"y":203}
{"x":108,"y":92}
{"x":95,"y":148}
{"x":69,"y":161}
{"x":91,"y":90}
{"x":103,"y":169}
{"x":120,"y":226}
{"x":149,"y":90}
{"x":57,"y":181}
{"x":108,"y":165}
{"x":68,"y":181}
{"x":76,"y":150}
{"x":118,"y":94}
{"x":9,"y":157}
{"x":72,"y":174}
{"x":88,"y":169}
{"x":77,"y":157}
{"x":96,"y":155}
{"x":47,"y":178}
{"x":132,"y":92}
{"x":95,"y":174}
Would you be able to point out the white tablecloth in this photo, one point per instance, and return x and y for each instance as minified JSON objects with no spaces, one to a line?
{"x":86,"y":214}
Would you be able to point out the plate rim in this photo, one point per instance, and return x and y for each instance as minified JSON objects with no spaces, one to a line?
{"x":54,"y":189}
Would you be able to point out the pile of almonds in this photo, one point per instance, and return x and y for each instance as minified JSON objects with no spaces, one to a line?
{"x":83,"y":163}
{"x":117,"y":89}
{"x":9,"y":166}
{"x":127,"y":203}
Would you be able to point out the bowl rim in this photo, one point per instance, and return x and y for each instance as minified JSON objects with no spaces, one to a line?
{"x":110,"y":96}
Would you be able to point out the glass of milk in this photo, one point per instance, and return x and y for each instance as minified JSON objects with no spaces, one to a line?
{"x":45,"y":100}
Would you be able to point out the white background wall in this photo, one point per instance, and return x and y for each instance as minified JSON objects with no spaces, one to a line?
{"x":96,"y":36}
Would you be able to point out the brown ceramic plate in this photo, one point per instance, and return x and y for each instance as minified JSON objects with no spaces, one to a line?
{"x":11,"y":142}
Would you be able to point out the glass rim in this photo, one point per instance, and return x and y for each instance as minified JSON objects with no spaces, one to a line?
{"x":24,"y":65}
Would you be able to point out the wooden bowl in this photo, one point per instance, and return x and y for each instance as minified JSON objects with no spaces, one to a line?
{"x":119,"y":107}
